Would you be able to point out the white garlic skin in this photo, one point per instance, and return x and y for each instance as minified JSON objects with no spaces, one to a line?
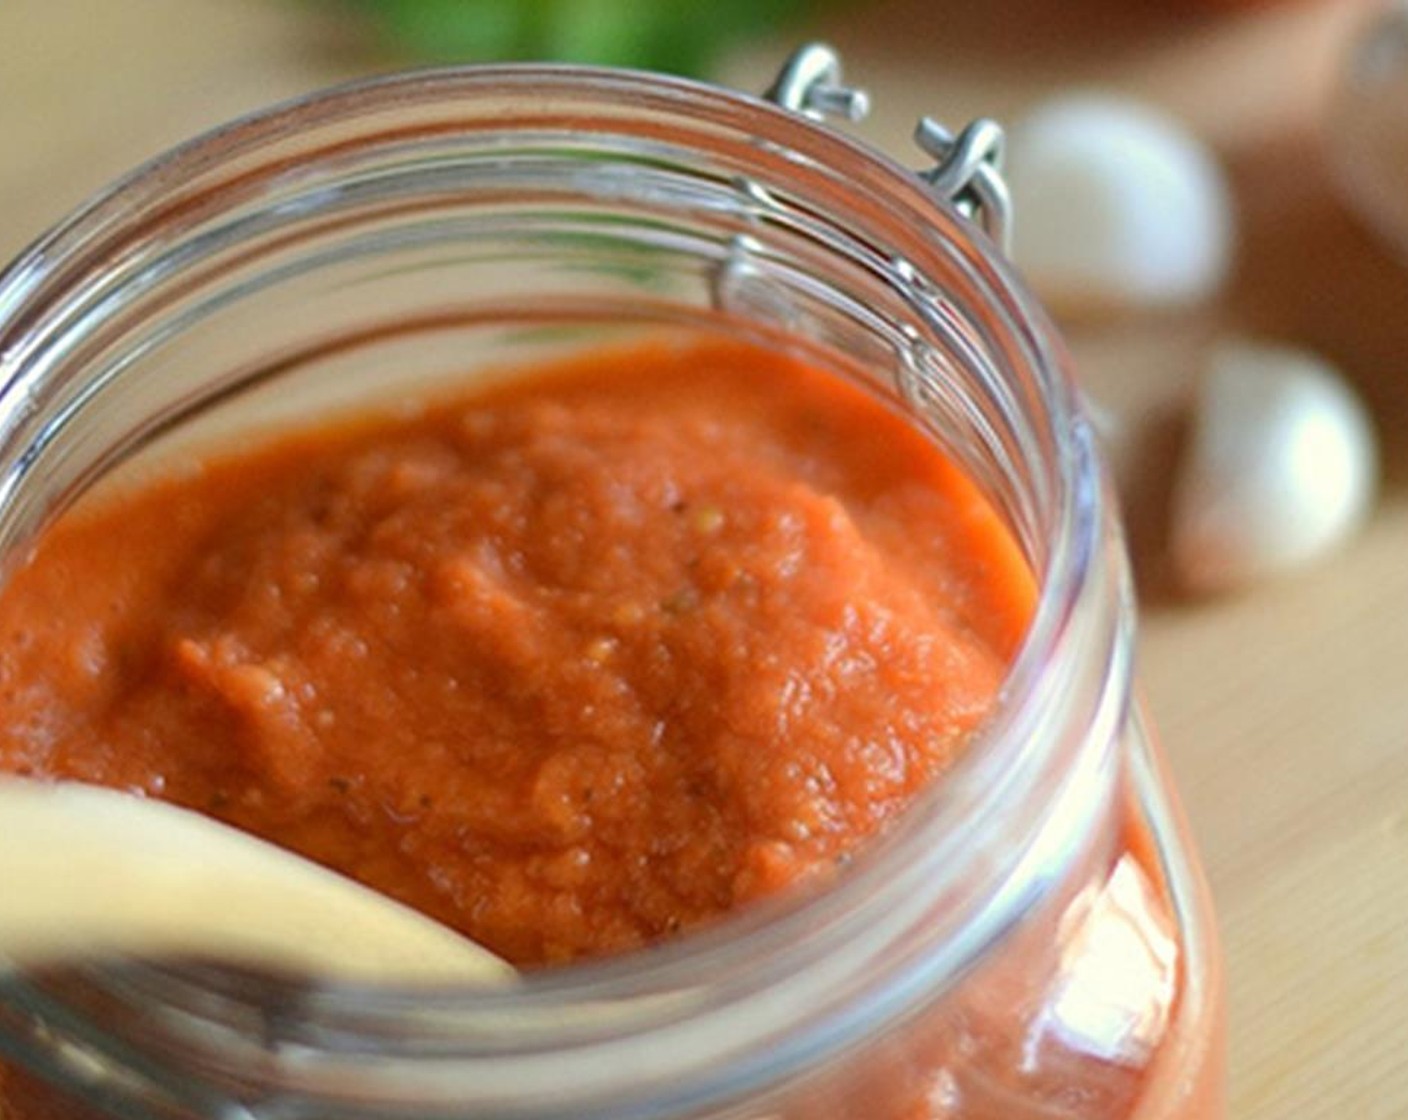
{"x":1117,"y":206}
{"x":1282,"y":468}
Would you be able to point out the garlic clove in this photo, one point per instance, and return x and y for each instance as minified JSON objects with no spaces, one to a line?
{"x":1281,"y":469}
{"x":1117,"y":206}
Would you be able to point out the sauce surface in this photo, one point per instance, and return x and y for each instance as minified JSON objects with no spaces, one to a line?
{"x":573,"y":664}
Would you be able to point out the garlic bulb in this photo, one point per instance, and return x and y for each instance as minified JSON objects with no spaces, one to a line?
{"x":1117,"y":206}
{"x":1282,"y":467}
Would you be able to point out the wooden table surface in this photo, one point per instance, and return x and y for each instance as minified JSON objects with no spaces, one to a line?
{"x":1284,"y":710}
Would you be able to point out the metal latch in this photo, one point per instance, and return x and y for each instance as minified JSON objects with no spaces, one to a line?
{"x":968,"y":173}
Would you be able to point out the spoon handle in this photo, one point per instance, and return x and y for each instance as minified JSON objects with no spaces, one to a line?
{"x":87,"y":871}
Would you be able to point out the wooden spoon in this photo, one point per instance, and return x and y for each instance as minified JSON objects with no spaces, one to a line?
{"x":86,"y":871}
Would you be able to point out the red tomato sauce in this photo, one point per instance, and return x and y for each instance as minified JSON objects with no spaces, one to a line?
{"x":573,"y":664}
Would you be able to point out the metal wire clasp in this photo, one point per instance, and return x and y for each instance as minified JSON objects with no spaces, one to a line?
{"x":810,"y":83}
{"x":969,"y":173}
{"x":969,"y":169}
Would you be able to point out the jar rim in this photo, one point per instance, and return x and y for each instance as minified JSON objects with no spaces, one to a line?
{"x":1010,"y":762}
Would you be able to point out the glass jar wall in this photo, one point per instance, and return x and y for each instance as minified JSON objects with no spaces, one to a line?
{"x":1032,"y":938}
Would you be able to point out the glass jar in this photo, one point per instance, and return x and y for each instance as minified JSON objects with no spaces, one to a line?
{"x":1032,"y":939}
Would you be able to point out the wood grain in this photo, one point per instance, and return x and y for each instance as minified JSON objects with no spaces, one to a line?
{"x":1285,"y":710}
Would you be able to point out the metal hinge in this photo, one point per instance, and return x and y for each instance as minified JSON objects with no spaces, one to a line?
{"x":968,"y":173}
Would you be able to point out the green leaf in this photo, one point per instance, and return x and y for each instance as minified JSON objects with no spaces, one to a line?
{"x":683,"y":36}
{"x":454,"y":30}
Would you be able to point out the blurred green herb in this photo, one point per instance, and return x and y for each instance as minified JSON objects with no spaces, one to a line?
{"x":678,"y":36}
